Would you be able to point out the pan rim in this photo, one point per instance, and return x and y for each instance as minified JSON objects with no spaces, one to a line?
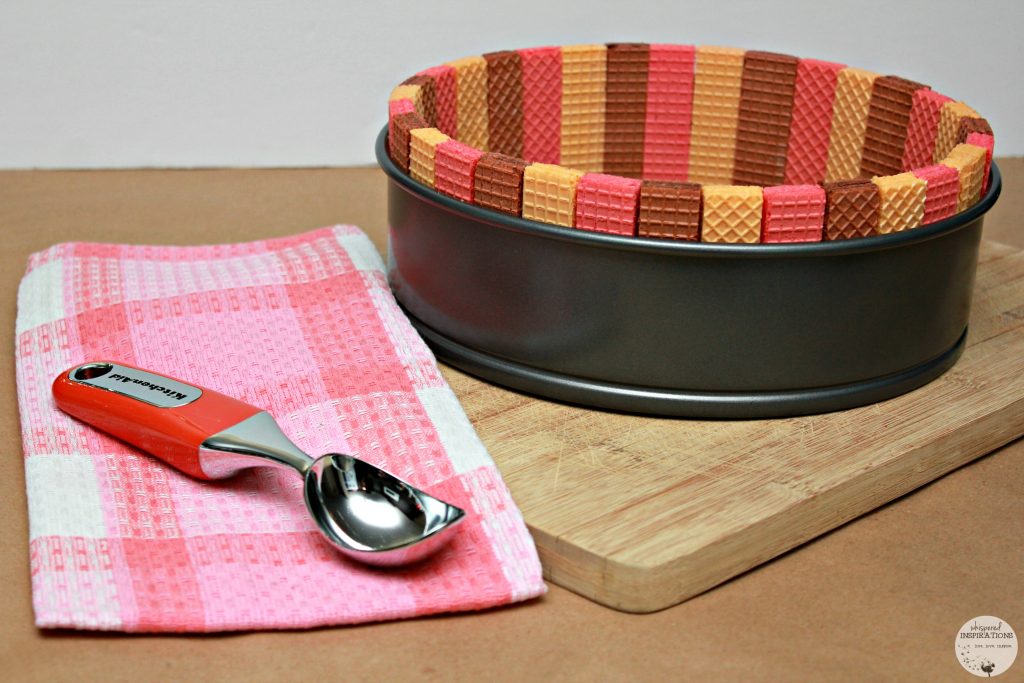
{"x":691,"y":249}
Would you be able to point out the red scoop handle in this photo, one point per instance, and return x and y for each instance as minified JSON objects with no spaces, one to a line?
{"x":161,"y":415}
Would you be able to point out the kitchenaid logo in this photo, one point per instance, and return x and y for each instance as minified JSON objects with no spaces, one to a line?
{"x":986,"y":646}
{"x":148,"y":385}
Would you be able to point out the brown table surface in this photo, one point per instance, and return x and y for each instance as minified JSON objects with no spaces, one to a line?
{"x":878,"y":599}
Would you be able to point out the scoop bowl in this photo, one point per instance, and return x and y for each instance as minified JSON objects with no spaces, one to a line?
{"x":372,"y":516}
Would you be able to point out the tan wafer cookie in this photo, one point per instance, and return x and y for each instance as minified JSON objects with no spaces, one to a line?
{"x":471,"y":98}
{"x":422,"y":148}
{"x":969,"y":160}
{"x":583,"y":106}
{"x":731,"y":213}
{"x":716,"y":102}
{"x":849,"y":123}
{"x":949,"y":125}
{"x":901,"y":202}
{"x":549,"y":193}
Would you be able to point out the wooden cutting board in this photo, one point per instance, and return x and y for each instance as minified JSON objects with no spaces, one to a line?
{"x":641,"y":513}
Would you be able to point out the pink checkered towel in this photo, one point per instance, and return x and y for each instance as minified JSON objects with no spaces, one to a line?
{"x":304,"y":327}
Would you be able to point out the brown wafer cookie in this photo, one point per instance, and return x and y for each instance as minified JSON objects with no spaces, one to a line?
{"x":971,"y":125}
{"x":851,"y":209}
{"x":398,"y":137}
{"x":886,"y":132}
{"x":428,"y":96}
{"x":505,"y":102}
{"x":669,"y":209}
{"x":498,"y":183}
{"x":625,"y":108}
{"x":766,"y":107}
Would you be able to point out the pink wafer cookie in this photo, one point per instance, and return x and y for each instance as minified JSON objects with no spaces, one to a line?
{"x":987,"y":142}
{"x":807,"y":151}
{"x":669,"y":112}
{"x":919,"y":147}
{"x":402,"y":106}
{"x":445,"y":97}
{"x":941,"y":192}
{"x":607,"y":203}
{"x":793,"y":213}
{"x":542,"y":104}
{"x":454,"y":165}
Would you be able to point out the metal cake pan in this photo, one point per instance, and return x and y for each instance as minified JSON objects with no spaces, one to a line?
{"x":681,"y":328}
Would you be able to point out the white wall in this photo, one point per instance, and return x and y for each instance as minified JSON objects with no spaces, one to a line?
{"x":278,"y":83}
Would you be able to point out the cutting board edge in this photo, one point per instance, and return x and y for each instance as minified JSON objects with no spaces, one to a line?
{"x":630,"y":586}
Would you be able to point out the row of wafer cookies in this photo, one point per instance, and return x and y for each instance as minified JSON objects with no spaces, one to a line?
{"x":793,"y":119}
{"x":677,"y":112}
{"x":600,"y":202}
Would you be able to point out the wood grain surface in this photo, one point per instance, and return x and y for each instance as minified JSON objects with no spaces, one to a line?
{"x":640,"y":513}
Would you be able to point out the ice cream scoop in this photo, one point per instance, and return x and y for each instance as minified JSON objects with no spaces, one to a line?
{"x":368,"y":514}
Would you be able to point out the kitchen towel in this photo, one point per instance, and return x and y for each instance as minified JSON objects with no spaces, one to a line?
{"x":304,"y":327}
